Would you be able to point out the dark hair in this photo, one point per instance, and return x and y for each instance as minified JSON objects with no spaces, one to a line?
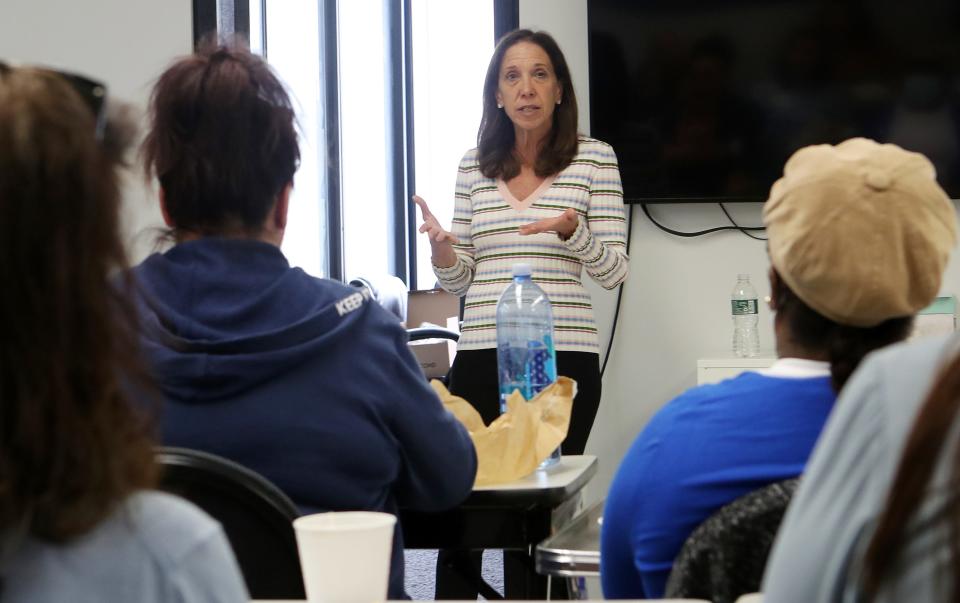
{"x":931,"y":430}
{"x":222,"y":140}
{"x":495,"y":139}
{"x":72,"y":446}
{"x":845,"y":345}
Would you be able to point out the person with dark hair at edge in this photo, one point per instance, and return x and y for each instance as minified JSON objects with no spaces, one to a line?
{"x":78,"y":518}
{"x":304,"y":380}
{"x":533,"y":191}
{"x":859,"y":235}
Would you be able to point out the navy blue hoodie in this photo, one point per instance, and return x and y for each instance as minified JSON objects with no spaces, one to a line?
{"x":303,"y":380}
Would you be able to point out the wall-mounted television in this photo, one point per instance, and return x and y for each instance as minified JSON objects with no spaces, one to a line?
{"x":704,"y":100}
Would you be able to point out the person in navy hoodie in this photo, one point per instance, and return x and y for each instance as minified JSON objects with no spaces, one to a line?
{"x":304,"y":380}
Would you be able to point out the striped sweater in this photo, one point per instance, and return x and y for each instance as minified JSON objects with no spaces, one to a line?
{"x":486,"y":218}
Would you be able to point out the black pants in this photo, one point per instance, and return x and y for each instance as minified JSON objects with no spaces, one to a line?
{"x":473,"y":377}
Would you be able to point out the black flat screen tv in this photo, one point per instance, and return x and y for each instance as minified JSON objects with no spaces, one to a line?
{"x":704,"y":100}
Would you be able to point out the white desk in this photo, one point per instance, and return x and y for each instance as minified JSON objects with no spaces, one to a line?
{"x":515,"y":516}
{"x":568,"y":473}
{"x":574,"y":550}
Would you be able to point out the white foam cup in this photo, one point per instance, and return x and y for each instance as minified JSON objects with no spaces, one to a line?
{"x":345,"y":556}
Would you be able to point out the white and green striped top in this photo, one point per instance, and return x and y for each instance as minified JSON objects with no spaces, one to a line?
{"x":486,"y":218}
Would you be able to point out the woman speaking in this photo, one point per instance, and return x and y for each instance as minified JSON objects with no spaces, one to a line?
{"x":532,"y":191}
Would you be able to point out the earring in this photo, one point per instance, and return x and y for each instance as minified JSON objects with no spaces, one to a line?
{"x":558,"y":101}
{"x":769,"y":301}
{"x":499,"y":105}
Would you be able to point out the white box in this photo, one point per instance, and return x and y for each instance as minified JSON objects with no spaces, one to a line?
{"x":433,"y":355}
{"x":434,"y":307}
{"x":939,"y":318}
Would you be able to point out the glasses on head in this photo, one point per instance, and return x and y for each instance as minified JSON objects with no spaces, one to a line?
{"x":92,"y":92}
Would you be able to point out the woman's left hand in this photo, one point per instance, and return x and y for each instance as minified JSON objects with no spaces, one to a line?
{"x":564,"y":225}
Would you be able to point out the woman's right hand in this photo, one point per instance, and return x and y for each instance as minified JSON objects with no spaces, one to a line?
{"x":441,"y":240}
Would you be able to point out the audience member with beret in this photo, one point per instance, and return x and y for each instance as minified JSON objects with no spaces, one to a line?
{"x":859,"y":236}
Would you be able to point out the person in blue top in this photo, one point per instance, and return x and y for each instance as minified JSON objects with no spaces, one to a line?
{"x":305,"y":380}
{"x":850,"y":267}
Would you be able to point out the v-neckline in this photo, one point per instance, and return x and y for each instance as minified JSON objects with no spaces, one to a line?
{"x":530,"y":199}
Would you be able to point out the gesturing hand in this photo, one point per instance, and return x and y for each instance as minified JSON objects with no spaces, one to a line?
{"x":564,"y":225}
{"x":430,"y":224}
{"x":441,"y":241}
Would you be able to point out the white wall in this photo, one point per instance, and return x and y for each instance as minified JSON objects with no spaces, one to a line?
{"x":566,"y":21}
{"x":675,"y":306}
{"x":124,"y":43}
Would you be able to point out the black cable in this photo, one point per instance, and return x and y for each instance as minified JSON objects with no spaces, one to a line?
{"x":742,"y":229}
{"x":616,"y":310}
{"x":697,"y":233}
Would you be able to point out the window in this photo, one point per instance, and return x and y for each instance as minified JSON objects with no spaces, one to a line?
{"x":452,"y":41}
{"x":365,"y":157}
{"x":290,"y":39}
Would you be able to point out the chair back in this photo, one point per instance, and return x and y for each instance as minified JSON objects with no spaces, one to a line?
{"x":256,"y":517}
{"x":725,"y":556}
{"x":420,"y":333}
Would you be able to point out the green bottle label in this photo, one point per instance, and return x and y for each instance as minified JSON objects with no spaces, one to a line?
{"x":743,"y":306}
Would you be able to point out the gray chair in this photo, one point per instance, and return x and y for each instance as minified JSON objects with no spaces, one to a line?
{"x":725,"y":556}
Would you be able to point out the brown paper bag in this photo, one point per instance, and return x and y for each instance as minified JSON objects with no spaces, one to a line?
{"x":515,"y":444}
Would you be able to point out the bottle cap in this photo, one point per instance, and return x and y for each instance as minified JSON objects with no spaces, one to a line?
{"x":522,"y":270}
{"x":743,"y":277}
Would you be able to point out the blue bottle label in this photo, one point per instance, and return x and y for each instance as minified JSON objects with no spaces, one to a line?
{"x":542,"y":367}
{"x":528,"y":370}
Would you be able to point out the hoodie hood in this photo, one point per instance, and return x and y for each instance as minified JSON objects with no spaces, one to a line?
{"x":220,"y":316}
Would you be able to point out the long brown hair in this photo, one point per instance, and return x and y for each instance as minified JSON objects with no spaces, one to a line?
{"x":931,"y":430}
{"x":495,"y":139}
{"x":71,"y":444}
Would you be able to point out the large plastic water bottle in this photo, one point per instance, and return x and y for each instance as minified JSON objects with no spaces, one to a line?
{"x":526,"y":360}
{"x":743,"y":307}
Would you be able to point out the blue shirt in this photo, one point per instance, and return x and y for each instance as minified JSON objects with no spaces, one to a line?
{"x":702,"y":450}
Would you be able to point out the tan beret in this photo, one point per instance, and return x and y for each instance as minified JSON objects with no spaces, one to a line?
{"x":860,"y":231}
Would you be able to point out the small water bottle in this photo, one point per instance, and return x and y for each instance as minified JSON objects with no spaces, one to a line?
{"x":526,"y":360}
{"x":743,"y":307}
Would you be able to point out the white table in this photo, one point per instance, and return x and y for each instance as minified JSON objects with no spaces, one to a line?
{"x":569,"y":475}
{"x":515,"y":516}
{"x":574,"y":551}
